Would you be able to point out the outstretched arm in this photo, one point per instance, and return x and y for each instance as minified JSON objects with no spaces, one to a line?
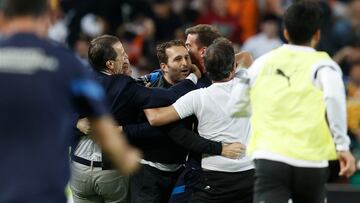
{"x":185,"y":106}
{"x":161,"y":116}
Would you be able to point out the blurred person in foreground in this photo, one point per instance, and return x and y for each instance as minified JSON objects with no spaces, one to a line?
{"x":42,"y":84}
{"x":298,"y":115}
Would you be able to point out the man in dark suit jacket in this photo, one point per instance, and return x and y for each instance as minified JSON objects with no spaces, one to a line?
{"x":126,"y":100}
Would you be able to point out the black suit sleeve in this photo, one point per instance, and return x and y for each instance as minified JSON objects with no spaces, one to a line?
{"x":191,"y":140}
{"x":178,"y":133}
{"x":158,"y":97}
{"x":142,"y":130}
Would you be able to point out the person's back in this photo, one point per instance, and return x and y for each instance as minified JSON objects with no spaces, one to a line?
{"x":298,"y":113}
{"x":35,"y":77}
{"x":291,"y":98}
{"x":41,"y":86}
{"x":215,"y":124}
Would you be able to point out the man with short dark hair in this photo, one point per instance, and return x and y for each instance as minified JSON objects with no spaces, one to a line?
{"x":93,"y":179}
{"x":176,"y":68}
{"x":198,"y":38}
{"x":155,"y":181}
{"x":222,"y":179}
{"x":163,"y":159}
{"x":298,"y":113}
{"x":42,"y":84}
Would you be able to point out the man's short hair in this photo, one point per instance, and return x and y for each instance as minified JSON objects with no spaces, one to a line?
{"x":219,"y":59}
{"x":101,"y":50}
{"x":161,"y":49}
{"x":302,"y":20}
{"x":15,"y":8}
{"x":206,"y":34}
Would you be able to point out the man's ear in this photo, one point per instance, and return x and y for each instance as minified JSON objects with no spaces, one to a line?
{"x":109,"y":64}
{"x":286,"y":35}
{"x":163,"y":67}
{"x":202,"y":52}
{"x":316,"y":38}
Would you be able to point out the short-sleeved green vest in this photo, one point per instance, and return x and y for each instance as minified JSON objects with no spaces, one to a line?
{"x":289,"y":116}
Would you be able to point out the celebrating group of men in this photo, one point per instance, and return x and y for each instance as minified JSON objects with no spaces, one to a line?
{"x":204,"y":129}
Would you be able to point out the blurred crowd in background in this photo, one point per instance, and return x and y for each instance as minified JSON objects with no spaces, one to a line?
{"x":252,"y":25}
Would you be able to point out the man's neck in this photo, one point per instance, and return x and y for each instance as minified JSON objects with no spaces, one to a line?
{"x":25,"y":24}
{"x":168,"y":80}
{"x":224,"y":80}
{"x":202,"y":67}
{"x":230,"y":77}
{"x":307,"y":44}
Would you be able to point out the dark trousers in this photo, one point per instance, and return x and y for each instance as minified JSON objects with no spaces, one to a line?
{"x":277,"y":182}
{"x":184,"y":186}
{"x":224,"y":187}
{"x":151,"y":185}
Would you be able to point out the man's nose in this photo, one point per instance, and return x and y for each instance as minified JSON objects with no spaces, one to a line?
{"x":184,"y":62}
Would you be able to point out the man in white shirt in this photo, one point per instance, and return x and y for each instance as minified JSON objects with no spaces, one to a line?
{"x":298,"y":113}
{"x":222,"y":179}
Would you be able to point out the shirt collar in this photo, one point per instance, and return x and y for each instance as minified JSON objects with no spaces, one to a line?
{"x":298,"y":47}
{"x":105,"y":73}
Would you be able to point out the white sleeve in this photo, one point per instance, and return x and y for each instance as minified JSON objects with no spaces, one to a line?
{"x":239,"y":102}
{"x":186,"y":105}
{"x":329,"y":80}
{"x":192,"y":77}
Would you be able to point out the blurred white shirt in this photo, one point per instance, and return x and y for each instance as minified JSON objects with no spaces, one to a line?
{"x":260,"y":44}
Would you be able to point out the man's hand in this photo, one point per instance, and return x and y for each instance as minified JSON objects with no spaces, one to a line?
{"x":233,"y":150}
{"x":113,"y":142}
{"x":132,"y":161}
{"x":83,"y":125}
{"x":243,"y":59}
{"x":347,"y":163}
